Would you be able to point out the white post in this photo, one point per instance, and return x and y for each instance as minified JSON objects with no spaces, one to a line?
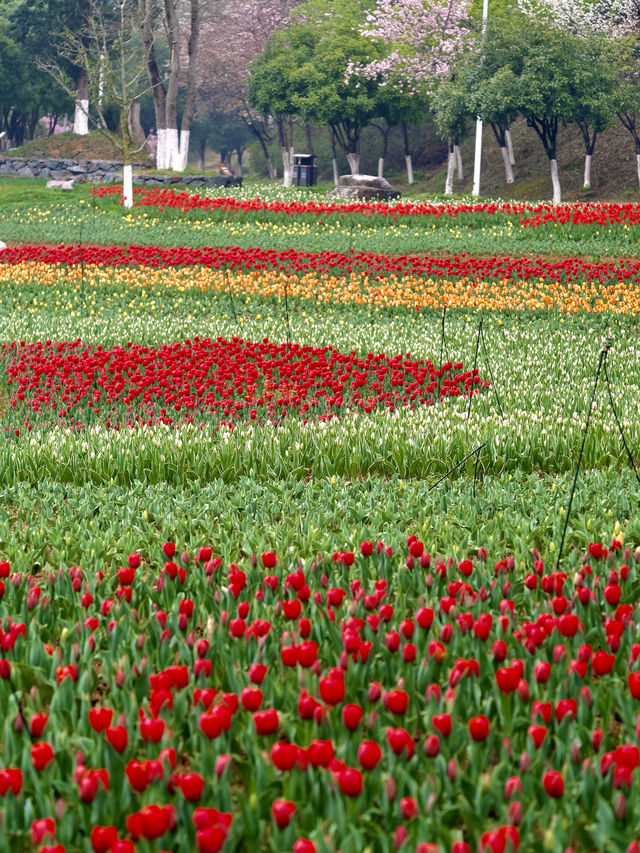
{"x":127,"y":185}
{"x":477,"y":160}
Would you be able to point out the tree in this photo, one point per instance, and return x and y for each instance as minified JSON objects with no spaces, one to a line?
{"x":108,"y":51}
{"x":26,"y":94}
{"x":42,"y":27}
{"x":302,"y":73}
{"x":417,"y":41}
{"x":599,"y":25}
{"x":611,"y":18}
{"x":451,"y":112}
{"x":155,"y":18}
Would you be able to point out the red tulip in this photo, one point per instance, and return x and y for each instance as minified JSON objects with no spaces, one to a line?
{"x":103,"y":838}
{"x":396,"y":701}
{"x":350,"y":781}
{"x":282,"y":812}
{"x":408,"y":808}
{"x":42,"y":828}
{"x":266,"y":722}
{"x":442,"y":722}
{"x":553,"y":783}
{"x":351,"y":716}
{"x":331,"y":689}
{"x":304,"y":845}
{"x":369,"y":754}
{"x":41,"y":754}
{"x":479,"y":727}
{"x":118,"y":737}
{"x":284,"y":755}
{"x":537,"y":734}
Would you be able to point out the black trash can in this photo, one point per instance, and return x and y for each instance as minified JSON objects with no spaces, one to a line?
{"x":305,"y":171}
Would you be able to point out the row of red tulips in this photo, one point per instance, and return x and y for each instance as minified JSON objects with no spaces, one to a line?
{"x":455,"y":704}
{"x":461,"y":266}
{"x":73,"y":383}
{"x":576,"y":213}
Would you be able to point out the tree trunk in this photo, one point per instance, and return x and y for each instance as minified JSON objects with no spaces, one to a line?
{"x":81,"y":116}
{"x":509,"y":141}
{"x":157,"y":85}
{"x":334,"y":160}
{"x":307,"y":133}
{"x":587,"y":172}
{"x":135,"y":128}
{"x":381,"y":167}
{"x":638,"y":167}
{"x":557,"y":194}
{"x":507,"y":164}
{"x":456,"y":149}
{"x":287,"y":166}
{"x":202,"y":147}
{"x":189,"y":107}
{"x":173,"y":36}
{"x":353,"y":158}
{"x":409,"y":164}
{"x":451,"y":167}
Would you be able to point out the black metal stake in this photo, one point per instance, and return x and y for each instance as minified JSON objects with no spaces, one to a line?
{"x":493,"y":384}
{"x":473,"y":375}
{"x":286,"y":309}
{"x":619,"y":425}
{"x":601,"y":361}
{"x":457,"y":465}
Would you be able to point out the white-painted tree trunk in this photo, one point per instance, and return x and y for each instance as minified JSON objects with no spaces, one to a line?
{"x":557,"y":194}
{"x":161,"y":149}
{"x":287,"y":166}
{"x":407,"y":160}
{"x":380,"y":167}
{"x":127,"y":185}
{"x":456,"y":151}
{"x":336,"y":175}
{"x":509,"y":141}
{"x":638,"y":167}
{"x":354,"y":163}
{"x":451,"y":167}
{"x":173,"y":148}
{"x":587,"y":172}
{"x":507,"y":164}
{"x":81,"y":117}
{"x":273,"y":172}
{"x":183,"y":151}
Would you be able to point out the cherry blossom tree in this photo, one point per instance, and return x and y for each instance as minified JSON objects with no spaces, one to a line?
{"x":419,"y":41}
{"x":612,"y":18}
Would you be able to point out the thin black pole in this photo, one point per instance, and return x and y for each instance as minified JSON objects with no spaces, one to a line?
{"x":458,"y":464}
{"x":493,"y":384}
{"x":619,"y":425}
{"x":473,"y":375}
{"x":286,"y":309}
{"x":601,"y":361}
{"x":233,"y":307}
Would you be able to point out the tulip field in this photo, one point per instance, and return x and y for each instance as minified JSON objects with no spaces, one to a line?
{"x":319,"y":526}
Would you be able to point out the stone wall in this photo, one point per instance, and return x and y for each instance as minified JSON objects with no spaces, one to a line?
{"x":101,"y":172}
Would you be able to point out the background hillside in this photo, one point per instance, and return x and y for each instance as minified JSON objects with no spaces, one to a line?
{"x":614,"y":175}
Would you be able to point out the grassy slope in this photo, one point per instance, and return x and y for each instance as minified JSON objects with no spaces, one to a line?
{"x":613,"y":169}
